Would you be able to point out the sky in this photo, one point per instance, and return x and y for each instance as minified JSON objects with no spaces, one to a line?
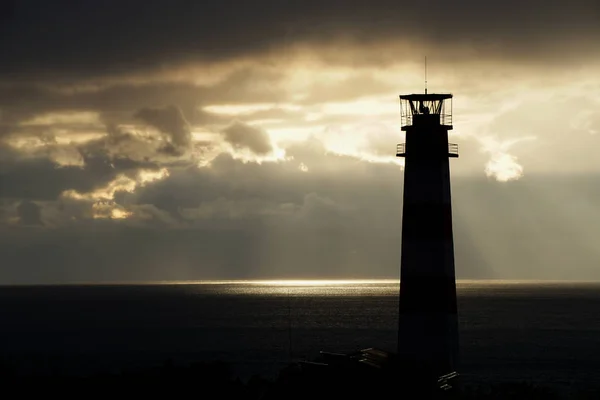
{"x":221,"y":139}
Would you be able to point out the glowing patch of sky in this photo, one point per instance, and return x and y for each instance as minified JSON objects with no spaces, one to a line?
{"x":103,"y":199}
{"x":66,"y":156}
{"x":111,"y":211}
{"x":146,"y":176}
{"x":120,"y":183}
{"x":79,"y":117}
{"x":292,"y":134}
{"x":244,"y":155}
{"x":363,"y":107}
{"x":59,"y":137}
{"x":237,"y":109}
{"x":107,"y":193}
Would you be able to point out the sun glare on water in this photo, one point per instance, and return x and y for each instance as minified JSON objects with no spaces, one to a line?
{"x":297,"y":282}
{"x":320,"y":282}
{"x":303,"y":287}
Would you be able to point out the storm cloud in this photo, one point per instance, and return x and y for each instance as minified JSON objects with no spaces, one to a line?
{"x":29,"y":213}
{"x":230,"y":139}
{"x":171,"y":123}
{"x":72,"y":40}
{"x":245,"y":136}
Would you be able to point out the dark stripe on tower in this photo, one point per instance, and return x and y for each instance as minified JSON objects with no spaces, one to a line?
{"x":441,"y":295}
{"x":427,"y":221}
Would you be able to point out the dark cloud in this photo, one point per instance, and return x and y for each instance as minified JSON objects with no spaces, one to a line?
{"x":29,"y":213}
{"x":7,"y":10}
{"x":169,"y":121}
{"x":88,"y":38}
{"x":41,"y":179}
{"x":244,"y":136}
{"x":132,"y":149}
{"x":38,"y":177}
{"x":122,"y":143}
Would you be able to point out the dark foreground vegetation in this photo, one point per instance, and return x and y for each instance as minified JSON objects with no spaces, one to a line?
{"x":217,"y":380}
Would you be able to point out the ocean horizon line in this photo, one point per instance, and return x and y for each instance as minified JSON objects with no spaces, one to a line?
{"x":296,"y":282}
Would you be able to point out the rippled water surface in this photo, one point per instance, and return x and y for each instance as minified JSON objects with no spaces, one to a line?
{"x":509,"y":330}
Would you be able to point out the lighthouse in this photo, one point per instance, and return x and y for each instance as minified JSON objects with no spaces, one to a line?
{"x":428,"y":326}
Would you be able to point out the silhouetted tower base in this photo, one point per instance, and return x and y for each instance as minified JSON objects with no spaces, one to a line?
{"x":428,"y":327}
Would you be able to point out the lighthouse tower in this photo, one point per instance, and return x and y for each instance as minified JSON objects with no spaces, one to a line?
{"x":428,"y":327}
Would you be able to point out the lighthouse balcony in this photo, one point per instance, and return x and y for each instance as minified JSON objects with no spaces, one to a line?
{"x":408,"y":120}
{"x":452,"y":150}
{"x":401,"y":150}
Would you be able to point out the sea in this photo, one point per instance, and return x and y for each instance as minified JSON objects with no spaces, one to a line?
{"x":544,"y":332}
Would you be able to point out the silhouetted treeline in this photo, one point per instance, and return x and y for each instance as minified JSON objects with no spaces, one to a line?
{"x":217,"y":380}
